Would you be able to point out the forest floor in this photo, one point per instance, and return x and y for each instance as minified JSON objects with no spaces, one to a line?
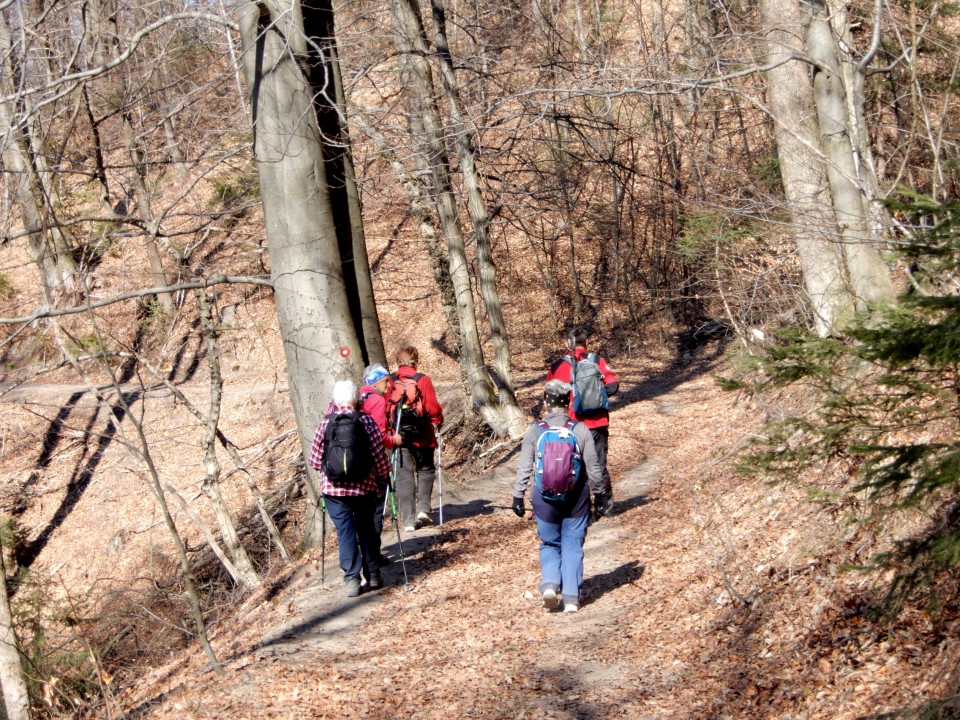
{"x":706,"y":595}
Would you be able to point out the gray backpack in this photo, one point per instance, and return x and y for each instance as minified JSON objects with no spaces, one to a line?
{"x":589,"y":392}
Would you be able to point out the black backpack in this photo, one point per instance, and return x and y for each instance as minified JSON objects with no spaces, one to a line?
{"x":347,"y":455}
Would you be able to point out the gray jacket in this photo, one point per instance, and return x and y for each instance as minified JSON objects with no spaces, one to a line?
{"x":588,"y":454}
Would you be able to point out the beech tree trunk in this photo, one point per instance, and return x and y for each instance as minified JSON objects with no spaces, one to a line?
{"x":869,"y":275}
{"x":804,"y":182}
{"x":321,"y":337}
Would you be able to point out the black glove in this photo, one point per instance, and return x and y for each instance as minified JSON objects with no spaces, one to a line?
{"x":518,"y":507}
{"x":602,"y":505}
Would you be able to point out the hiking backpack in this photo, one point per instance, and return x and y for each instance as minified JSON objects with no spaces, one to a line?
{"x":405,"y":403}
{"x":347,"y":455}
{"x":589,"y":392}
{"x":558,"y":461}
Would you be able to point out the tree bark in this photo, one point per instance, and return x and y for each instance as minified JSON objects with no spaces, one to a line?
{"x":480,"y":220}
{"x":16,"y":698}
{"x":869,"y":275}
{"x":432,"y":154}
{"x":330,"y":104}
{"x":808,"y":200}
{"x":321,"y":342}
{"x":246,"y":574}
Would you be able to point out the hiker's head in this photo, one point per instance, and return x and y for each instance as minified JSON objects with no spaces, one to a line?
{"x":576,"y":337}
{"x":374,"y":374}
{"x":408,"y":355}
{"x":556,"y":394}
{"x":344,"y":393}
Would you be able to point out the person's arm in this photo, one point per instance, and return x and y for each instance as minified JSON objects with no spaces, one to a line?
{"x":591,"y":462}
{"x":528,"y":451}
{"x":610,"y":381}
{"x":316,"y":449}
{"x":381,"y":463}
{"x":430,"y":402}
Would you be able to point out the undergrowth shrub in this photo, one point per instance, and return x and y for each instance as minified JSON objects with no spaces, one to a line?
{"x":888,"y":406}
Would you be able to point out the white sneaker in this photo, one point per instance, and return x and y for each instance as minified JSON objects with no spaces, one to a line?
{"x":570,"y":607}
{"x":550,"y":599}
{"x":424,"y":519}
{"x":409,"y":528}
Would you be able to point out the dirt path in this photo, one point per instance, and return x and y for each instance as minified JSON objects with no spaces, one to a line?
{"x":662,"y":633}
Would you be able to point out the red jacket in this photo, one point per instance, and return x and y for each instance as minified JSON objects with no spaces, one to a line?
{"x":430,"y":405}
{"x":561,"y":370}
{"x":373,"y":404}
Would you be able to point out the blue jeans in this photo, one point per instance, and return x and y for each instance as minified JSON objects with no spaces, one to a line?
{"x":357,"y":541}
{"x":561,"y":554}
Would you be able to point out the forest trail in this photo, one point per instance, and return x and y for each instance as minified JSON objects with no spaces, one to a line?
{"x":699,"y":601}
{"x":467,"y":637}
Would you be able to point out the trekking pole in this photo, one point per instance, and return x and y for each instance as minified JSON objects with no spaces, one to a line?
{"x":440,"y":474}
{"x":323,"y":541}
{"x":392,"y":499}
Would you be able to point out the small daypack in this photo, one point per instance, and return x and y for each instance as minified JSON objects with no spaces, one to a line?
{"x":589,"y":392}
{"x":558,"y":461}
{"x":405,"y":403}
{"x":347,"y":455}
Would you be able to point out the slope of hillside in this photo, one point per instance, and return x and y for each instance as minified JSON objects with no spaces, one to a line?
{"x":706,"y":596}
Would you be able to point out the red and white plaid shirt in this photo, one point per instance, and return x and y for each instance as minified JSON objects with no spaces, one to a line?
{"x":381,"y":463}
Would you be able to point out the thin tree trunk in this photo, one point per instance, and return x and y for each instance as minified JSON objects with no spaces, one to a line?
{"x":16,"y":698}
{"x":415,"y":70}
{"x":246,"y":574}
{"x":486,"y":270}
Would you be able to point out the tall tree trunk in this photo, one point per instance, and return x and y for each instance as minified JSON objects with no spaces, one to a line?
{"x":330,"y":104}
{"x":432,"y":153}
{"x":321,"y":341}
{"x":797,"y":136}
{"x":15,"y":695}
{"x":26,"y":166}
{"x":869,"y":275}
{"x":480,"y":220}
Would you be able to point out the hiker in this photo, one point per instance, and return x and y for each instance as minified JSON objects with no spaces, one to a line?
{"x":376,"y":383}
{"x":562,"y":513}
{"x":597,"y":419}
{"x":349,"y":456}
{"x":412,"y":406}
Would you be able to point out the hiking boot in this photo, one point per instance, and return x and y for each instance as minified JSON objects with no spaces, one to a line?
{"x":551,"y":600}
{"x":423,"y":519}
{"x":375,"y":583}
{"x":353,"y":586}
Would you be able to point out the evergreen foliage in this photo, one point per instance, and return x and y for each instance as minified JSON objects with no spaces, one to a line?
{"x":888,"y":401}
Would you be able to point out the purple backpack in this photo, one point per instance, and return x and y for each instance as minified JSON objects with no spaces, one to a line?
{"x":558,"y":461}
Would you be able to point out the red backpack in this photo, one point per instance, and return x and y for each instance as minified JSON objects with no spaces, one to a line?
{"x":405,"y":409}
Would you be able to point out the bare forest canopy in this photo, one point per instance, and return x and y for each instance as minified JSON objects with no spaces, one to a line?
{"x":213,"y":209}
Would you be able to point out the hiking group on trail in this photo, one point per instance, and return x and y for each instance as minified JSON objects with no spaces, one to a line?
{"x":375,"y":448}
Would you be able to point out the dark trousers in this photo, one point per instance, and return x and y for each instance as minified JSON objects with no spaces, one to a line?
{"x":357,"y":541}
{"x":601,"y":438}
{"x":383,"y":488}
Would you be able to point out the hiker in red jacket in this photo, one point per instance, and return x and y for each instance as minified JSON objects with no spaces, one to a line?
{"x":412,"y":406}
{"x":598,"y":421}
{"x":377,"y":384}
